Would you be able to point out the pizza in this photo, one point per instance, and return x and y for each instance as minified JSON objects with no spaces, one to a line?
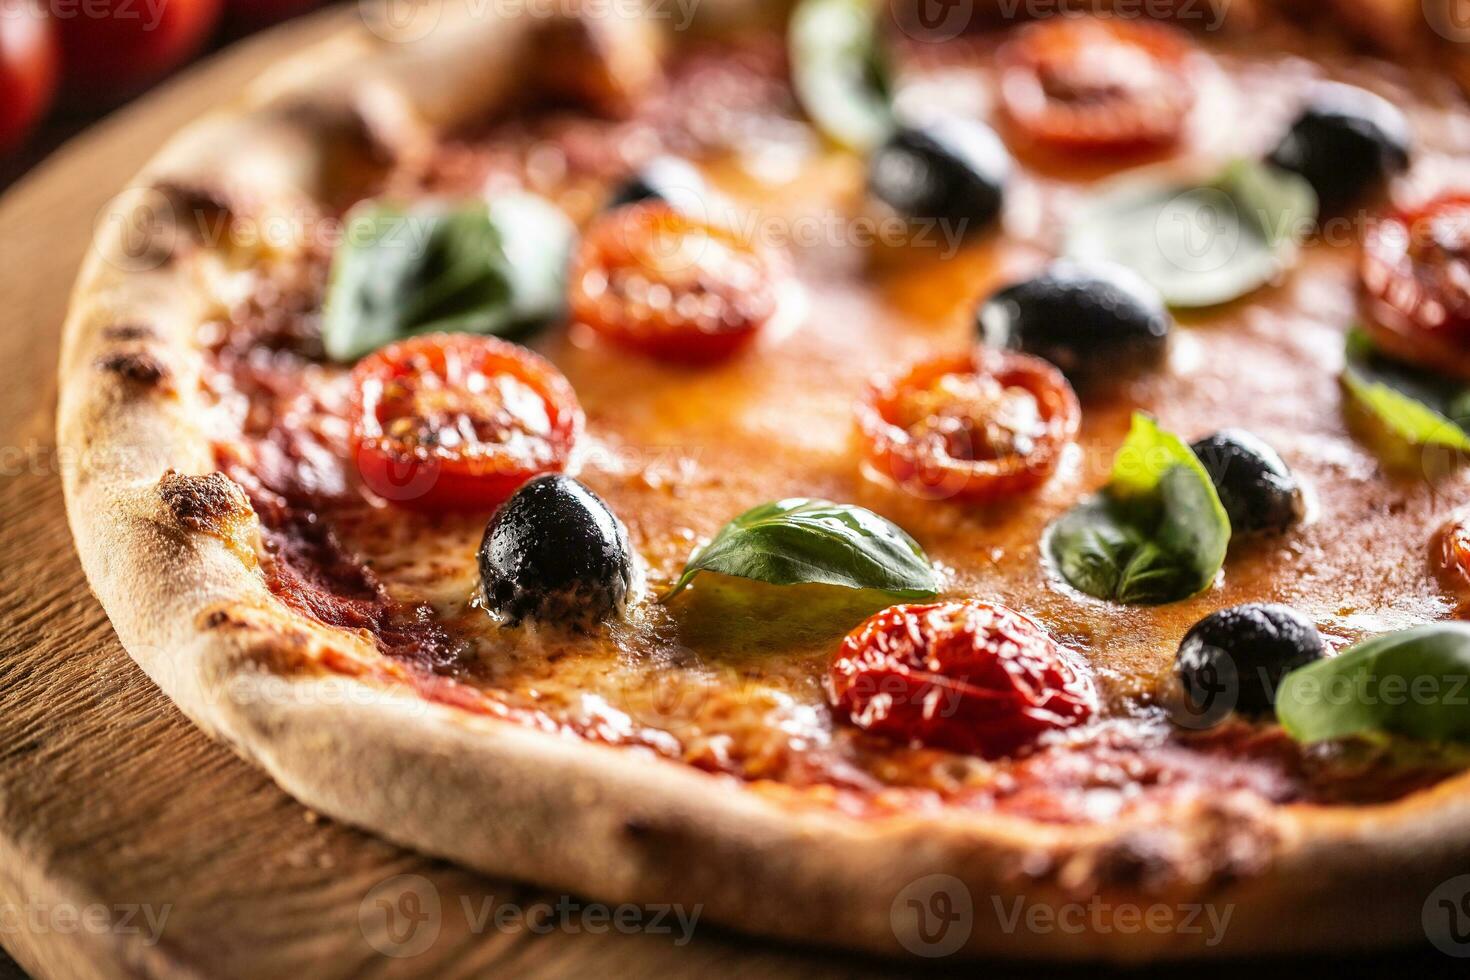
{"x":842,"y":471}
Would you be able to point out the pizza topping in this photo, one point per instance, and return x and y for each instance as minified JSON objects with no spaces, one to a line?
{"x":655,"y":280}
{"x":1414,"y":419}
{"x":1085,"y":84}
{"x":555,"y":552}
{"x":1452,"y":542}
{"x":669,"y":179}
{"x":1099,"y":323}
{"x":1200,"y":238}
{"x":816,"y":542}
{"x":494,"y":268}
{"x":951,"y":170}
{"x":1415,"y":277}
{"x":1256,"y":488}
{"x":966,"y":676}
{"x":1411,"y":683}
{"x":29,"y":63}
{"x":979,"y":426}
{"x":1235,"y":658}
{"x":1345,"y":141}
{"x":451,"y":421}
{"x":839,"y":70}
{"x":1156,"y":533}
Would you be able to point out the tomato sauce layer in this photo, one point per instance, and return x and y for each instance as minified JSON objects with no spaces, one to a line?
{"x":729,"y":678}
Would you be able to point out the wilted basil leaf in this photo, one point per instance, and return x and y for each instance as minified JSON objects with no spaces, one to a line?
{"x":493,"y":268}
{"x":840,"y":71}
{"x":815,"y":542}
{"x":1400,"y":407}
{"x":1156,"y":533}
{"x":1414,"y":683}
{"x":1199,"y":242}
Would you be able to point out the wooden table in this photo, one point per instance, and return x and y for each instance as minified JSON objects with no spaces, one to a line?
{"x":113,"y":807}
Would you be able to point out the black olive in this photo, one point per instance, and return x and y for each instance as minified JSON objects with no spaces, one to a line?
{"x":1258,"y":490}
{"x":951,"y":170}
{"x":554,"y":551}
{"x":668,"y":179}
{"x":1345,"y":141}
{"x":1236,"y":657}
{"x":1097,"y":322}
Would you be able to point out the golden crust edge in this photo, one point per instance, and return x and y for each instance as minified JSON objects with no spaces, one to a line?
{"x":504,"y":799}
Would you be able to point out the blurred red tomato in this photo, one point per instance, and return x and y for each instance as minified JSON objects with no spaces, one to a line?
{"x":28,"y":63}
{"x":258,"y":13}
{"x":112,"y":48}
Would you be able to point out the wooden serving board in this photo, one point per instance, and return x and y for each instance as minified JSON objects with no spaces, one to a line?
{"x":129,"y":843}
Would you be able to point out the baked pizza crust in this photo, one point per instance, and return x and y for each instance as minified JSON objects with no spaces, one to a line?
{"x":168,"y":544}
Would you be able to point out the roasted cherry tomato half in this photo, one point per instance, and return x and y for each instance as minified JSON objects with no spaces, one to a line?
{"x":655,"y":280}
{"x":1093,"y":85}
{"x":977,"y":426}
{"x":458,"y":422}
{"x":965,"y":676}
{"x":1452,"y":544}
{"x":28,"y":69}
{"x":1415,"y":277}
{"x":113,"y":48}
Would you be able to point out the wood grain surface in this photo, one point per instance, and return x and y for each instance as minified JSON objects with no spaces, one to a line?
{"x":132,"y":845}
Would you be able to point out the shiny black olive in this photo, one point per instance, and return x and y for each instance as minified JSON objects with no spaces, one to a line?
{"x":951,"y":170}
{"x":1345,"y":141}
{"x":668,"y":179}
{"x":1236,"y":657}
{"x":1099,"y":323}
{"x":1258,"y":490}
{"x":554,"y":551}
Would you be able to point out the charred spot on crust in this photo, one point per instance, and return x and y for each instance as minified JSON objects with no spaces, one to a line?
{"x":209,"y":504}
{"x":137,"y":366}
{"x":128,"y":331}
{"x":215,"y":619}
{"x":1136,"y":861}
{"x":198,"y":197}
{"x":602,"y":64}
{"x":1209,"y":844}
{"x":200,"y":208}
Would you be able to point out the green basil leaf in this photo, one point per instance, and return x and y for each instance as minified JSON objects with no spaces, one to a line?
{"x":839,"y":69}
{"x":1414,"y":683}
{"x":1200,"y":242}
{"x":495,"y":268}
{"x":815,"y":542}
{"x":1412,"y":408}
{"x":1156,"y":533}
